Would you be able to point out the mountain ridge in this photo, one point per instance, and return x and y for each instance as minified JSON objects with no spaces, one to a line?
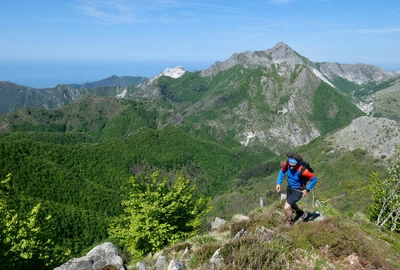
{"x":113,"y":80}
{"x":280,"y":54}
{"x":278,"y":96}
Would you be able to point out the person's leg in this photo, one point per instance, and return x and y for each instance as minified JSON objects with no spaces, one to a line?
{"x":299,"y":212}
{"x":287,"y":207}
{"x":289,"y":215}
{"x":288,"y":210}
{"x":296,"y":208}
{"x":292,"y":197}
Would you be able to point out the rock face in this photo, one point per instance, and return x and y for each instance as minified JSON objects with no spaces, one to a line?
{"x":100,"y":257}
{"x":378,"y":136}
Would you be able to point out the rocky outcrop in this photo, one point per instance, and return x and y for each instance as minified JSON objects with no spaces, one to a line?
{"x":217,"y":223}
{"x":356,"y":73}
{"x":104,"y":256}
{"x":378,"y":136}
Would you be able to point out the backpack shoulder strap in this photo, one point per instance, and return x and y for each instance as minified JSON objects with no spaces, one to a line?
{"x":302,"y":170}
{"x":285,"y":166}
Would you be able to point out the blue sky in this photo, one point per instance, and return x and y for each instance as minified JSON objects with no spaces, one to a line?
{"x":141,"y":38}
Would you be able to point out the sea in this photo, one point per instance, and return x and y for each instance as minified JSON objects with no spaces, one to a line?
{"x":50,"y":74}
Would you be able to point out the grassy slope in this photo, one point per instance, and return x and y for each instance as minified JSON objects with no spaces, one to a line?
{"x":343,"y":177}
{"x":337,"y":242}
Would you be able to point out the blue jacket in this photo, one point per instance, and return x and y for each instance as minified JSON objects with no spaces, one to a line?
{"x":293,"y":178}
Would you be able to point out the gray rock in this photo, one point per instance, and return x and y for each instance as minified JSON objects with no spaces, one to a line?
{"x":99,"y":257}
{"x":161,"y":262}
{"x":140,"y":266}
{"x":217,"y":223}
{"x":176,"y":265}
{"x":216,"y":260}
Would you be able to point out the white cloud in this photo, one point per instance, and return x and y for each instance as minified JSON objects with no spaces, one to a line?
{"x":111,"y":12}
{"x":138,"y":11}
{"x":379,"y":31}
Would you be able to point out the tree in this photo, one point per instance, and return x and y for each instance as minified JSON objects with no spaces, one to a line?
{"x":386,"y":208}
{"x":157,"y":214}
{"x":23,"y":242}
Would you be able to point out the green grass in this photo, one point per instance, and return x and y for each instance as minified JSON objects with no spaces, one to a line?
{"x":268,"y":244}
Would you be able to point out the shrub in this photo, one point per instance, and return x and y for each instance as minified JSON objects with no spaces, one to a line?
{"x":203,"y":254}
{"x":238,"y":223}
{"x":335,"y":239}
{"x":251,"y":252}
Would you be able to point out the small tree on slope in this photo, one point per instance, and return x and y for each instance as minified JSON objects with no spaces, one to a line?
{"x":156,"y":215}
{"x":386,"y":208}
{"x":23,"y":243}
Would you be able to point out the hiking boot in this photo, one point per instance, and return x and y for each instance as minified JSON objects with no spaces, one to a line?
{"x":303,"y":216}
{"x":289,"y":223}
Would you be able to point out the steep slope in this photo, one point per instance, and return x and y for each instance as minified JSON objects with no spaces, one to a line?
{"x":378,"y":136}
{"x":356,"y":73}
{"x":14,"y":96}
{"x":279,"y":54}
{"x":381,"y":99}
{"x":328,"y":240}
{"x":274,"y":98}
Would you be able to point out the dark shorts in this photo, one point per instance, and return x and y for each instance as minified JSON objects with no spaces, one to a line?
{"x":293,"y":195}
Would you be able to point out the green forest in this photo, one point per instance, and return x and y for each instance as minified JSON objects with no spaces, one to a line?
{"x":80,"y":180}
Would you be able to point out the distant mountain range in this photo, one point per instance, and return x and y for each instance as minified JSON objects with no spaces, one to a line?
{"x":111,"y":81}
{"x":274,"y":98}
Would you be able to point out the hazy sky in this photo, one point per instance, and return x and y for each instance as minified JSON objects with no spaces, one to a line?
{"x":197,"y":33}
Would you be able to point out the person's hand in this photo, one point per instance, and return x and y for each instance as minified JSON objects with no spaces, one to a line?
{"x":278,"y":188}
{"x":305,"y":192}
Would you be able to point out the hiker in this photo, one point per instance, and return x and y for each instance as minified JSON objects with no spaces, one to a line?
{"x":298,"y":174}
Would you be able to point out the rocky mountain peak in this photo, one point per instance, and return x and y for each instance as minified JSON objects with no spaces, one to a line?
{"x":280,"y":53}
{"x":175,"y":73}
{"x":283,"y":53}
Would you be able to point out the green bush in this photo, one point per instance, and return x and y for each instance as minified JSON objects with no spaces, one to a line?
{"x":158,"y":214}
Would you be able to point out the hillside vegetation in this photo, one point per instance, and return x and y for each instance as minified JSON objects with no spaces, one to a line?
{"x":77,"y":175}
{"x":260,"y":240}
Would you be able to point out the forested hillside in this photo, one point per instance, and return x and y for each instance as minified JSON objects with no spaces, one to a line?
{"x":77,"y":175}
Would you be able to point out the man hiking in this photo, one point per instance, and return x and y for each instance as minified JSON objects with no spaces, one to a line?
{"x":298,"y":174}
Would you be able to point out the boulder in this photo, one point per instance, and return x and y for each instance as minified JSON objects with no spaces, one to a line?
{"x":176,"y":265}
{"x":104,"y":256}
{"x":218,"y":223}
